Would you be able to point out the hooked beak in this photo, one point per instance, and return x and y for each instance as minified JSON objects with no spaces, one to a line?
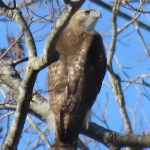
{"x":98,"y":14}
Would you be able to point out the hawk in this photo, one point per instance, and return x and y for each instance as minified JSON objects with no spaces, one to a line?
{"x":76,"y":78}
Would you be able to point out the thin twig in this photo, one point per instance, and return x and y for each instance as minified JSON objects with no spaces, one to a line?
{"x":120,"y":13}
{"x":20,"y":60}
{"x":40,"y":133}
{"x":10,"y":47}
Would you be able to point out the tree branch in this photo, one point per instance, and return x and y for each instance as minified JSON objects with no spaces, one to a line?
{"x":115,"y":79}
{"x":120,"y":13}
{"x":16,"y":15}
{"x":40,"y":133}
{"x":119,"y":140}
{"x":9,"y":48}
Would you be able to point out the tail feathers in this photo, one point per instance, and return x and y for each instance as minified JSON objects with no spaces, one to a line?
{"x":65,"y":146}
{"x":59,"y":147}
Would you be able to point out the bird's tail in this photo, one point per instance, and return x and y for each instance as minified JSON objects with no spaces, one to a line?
{"x":65,"y":146}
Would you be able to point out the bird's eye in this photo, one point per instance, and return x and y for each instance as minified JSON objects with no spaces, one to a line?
{"x":87,"y":12}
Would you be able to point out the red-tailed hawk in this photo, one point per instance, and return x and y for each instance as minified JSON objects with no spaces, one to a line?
{"x":76,"y":78}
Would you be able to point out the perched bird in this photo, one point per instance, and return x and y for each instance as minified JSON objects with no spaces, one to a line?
{"x":76,"y":78}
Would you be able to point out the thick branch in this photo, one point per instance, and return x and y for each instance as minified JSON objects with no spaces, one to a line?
{"x":10,"y":77}
{"x":119,"y":140}
{"x":24,"y":96}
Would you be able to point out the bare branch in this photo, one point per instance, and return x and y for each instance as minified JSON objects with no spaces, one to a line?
{"x":119,"y":140}
{"x":40,"y":133}
{"x":114,"y":34}
{"x":115,"y":79}
{"x":121,"y":14}
{"x":135,"y":9}
{"x":6,"y":52}
{"x":20,"y":60}
{"x":16,"y":15}
{"x":146,"y":48}
{"x":119,"y":96}
{"x":128,"y":24}
{"x":10,"y":78}
{"x":6,"y":115}
{"x":22,"y":92}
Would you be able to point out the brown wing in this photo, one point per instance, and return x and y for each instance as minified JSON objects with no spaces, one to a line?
{"x":75,"y":81}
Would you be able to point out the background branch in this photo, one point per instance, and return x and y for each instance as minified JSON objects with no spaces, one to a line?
{"x":121,"y":14}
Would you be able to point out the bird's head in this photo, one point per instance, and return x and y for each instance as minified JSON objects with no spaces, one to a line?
{"x":85,"y":19}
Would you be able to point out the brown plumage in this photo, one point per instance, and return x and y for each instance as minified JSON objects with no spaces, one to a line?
{"x":76,"y":78}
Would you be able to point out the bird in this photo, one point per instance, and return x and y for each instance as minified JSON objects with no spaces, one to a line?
{"x":76,"y":77}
